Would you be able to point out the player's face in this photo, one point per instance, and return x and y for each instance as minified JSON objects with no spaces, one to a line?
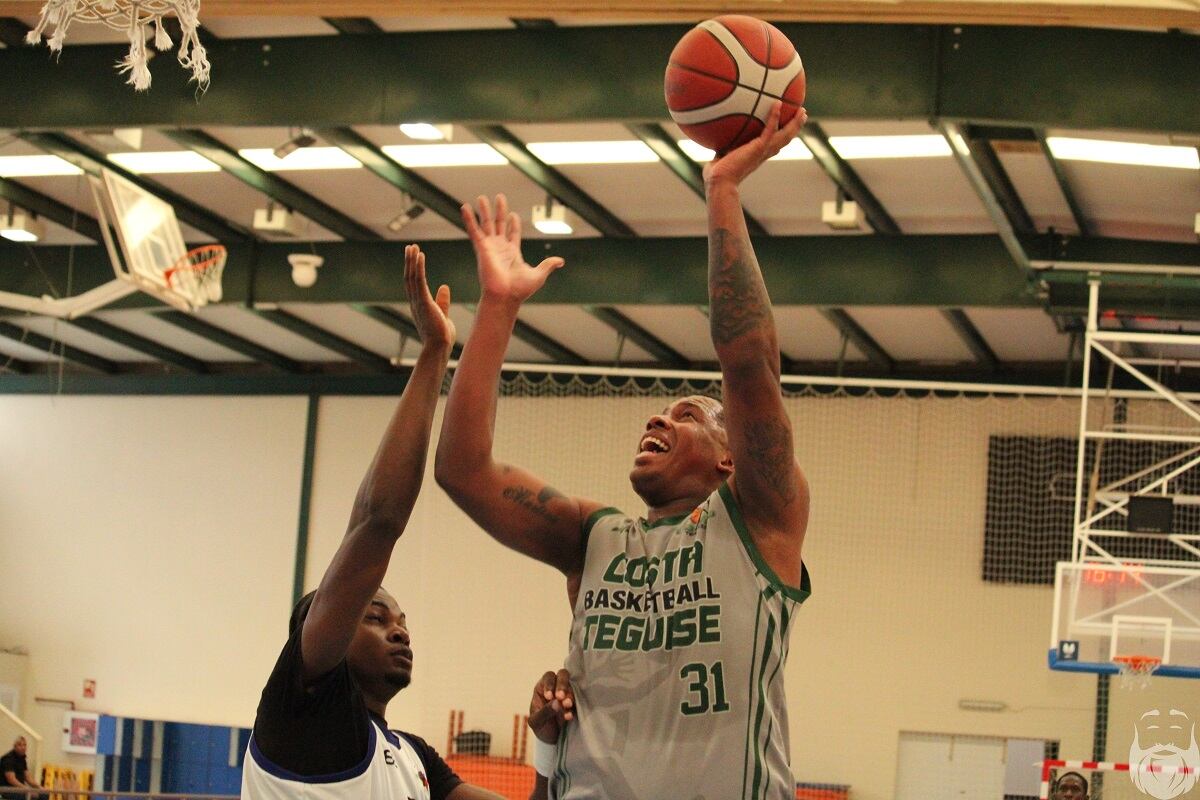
{"x":1069,"y":788}
{"x":381,"y":652}
{"x":682,"y":446}
{"x":20,"y":746}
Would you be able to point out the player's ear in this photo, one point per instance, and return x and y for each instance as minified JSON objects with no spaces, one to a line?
{"x":725,"y":465}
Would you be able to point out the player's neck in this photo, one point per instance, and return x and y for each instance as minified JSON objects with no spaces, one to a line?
{"x":673,"y":508}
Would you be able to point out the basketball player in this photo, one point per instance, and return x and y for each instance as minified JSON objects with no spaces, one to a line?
{"x":320,"y":731}
{"x":681,"y":618}
{"x":1070,"y":786}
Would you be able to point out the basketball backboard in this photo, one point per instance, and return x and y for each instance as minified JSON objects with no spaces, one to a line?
{"x":144,"y":240}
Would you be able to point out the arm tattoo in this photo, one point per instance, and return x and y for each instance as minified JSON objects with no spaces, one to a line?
{"x":771,"y":457}
{"x":736,"y":292}
{"x":525,"y":497}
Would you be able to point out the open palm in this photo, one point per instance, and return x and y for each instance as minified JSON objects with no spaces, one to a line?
{"x":496,"y":236}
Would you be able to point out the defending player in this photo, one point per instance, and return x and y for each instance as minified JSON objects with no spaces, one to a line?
{"x":320,"y":731}
{"x":681,"y":619}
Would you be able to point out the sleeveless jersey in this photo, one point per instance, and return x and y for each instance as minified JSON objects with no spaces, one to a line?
{"x":392,"y":770}
{"x":678,"y":642}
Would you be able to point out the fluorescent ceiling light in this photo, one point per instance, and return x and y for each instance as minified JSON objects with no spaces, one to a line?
{"x":794,"y":150}
{"x":913,"y":146}
{"x":19,"y":226}
{"x":619,"y":152}
{"x":444,"y":155}
{"x":163,"y":163}
{"x":1133,"y":153}
{"x":35,"y":167}
{"x":304,"y":158}
{"x":425,"y":131}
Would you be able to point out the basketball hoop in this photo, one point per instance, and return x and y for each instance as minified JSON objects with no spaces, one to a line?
{"x":1136,"y":671}
{"x":133,"y":17}
{"x":197,"y":275}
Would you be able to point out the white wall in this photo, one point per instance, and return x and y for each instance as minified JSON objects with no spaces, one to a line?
{"x":184,"y":600}
{"x":147,"y":543}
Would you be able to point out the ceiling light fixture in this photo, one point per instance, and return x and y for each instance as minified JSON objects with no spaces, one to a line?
{"x":444,"y":155}
{"x":295,"y":141}
{"x":615,"y":152}
{"x":551,"y":219}
{"x":794,"y":150}
{"x":165,"y":163}
{"x":36,"y":167}
{"x":908,"y":146}
{"x":1131,"y":153}
{"x":427,"y":132}
{"x":410,"y":209}
{"x":19,"y":225}
{"x":309,"y":158}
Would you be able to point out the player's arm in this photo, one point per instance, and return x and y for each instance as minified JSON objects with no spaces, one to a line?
{"x":517,"y":508}
{"x":387,"y":493}
{"x":767,"y":481}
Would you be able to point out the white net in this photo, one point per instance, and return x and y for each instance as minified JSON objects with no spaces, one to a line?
{"x":134,"y":17}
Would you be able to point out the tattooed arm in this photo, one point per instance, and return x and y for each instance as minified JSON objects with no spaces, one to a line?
{"x":767,"y":481}
{"x":518,"y":509}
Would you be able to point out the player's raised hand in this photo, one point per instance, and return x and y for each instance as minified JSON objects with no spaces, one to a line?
{"x":552,"y":706}
{"x":496,"y":237}
{"x":430,"y":314}
{"x":735,"y":165}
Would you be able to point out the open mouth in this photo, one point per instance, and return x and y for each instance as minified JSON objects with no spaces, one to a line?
{"x":653,"y":444}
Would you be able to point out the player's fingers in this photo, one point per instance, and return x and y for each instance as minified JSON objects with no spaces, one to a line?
{"x":514,"y":228}
{"x":501,"y":214}
{"x":541,"y":716}
{"x":443,"y":298}
{"x":562,"y":685}
{"x":545,"y":686}
{"x":486,"y":222}
{"x":549,"y":265}
{"x":472,"y":224}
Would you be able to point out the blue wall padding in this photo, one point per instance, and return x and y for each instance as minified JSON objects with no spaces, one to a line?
{"x":195,"y":758}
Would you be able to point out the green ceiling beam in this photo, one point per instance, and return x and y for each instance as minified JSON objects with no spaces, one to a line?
{"x":950,"y":271}
{"x":998,"y":181}
{"x":407,"y":181}
{"x":323,"y":338}
{"x":398,"y":323}
{"x":68,"y":353}
{"x":49,"y":208}
{"x":272,"y":185}
{"x":555,"y":184}
{"x":15,"y":365}
{"x":231,"y":341}
{"x":141,"y":344}
{"x":635,"y":333}
{"x":353,"y":26}
{"x":687,"y":170}
{"x":858,"y":336}
{"x":972,"y":338}
{"x":92,"y":161}
{"x":12,"y":32}
{"x":1064,"y":186}
{"x":846,"y":179}
{"x":546,"y":345}
{"x":1021,"y":75}
{"x":967,"y":153}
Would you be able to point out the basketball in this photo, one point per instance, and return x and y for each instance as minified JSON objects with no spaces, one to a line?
{"x":725,"y":75}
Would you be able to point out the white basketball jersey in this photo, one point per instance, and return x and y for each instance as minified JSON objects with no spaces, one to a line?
{"x":392,"y":770}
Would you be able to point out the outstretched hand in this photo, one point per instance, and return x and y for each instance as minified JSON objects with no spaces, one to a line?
{"x":552,"y":706}
{"x":496,"y":237}
{"x":431,"y":315}
{"x":735,"y":165}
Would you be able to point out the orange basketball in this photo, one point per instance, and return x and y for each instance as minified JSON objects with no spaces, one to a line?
{"x":726,"y":74}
